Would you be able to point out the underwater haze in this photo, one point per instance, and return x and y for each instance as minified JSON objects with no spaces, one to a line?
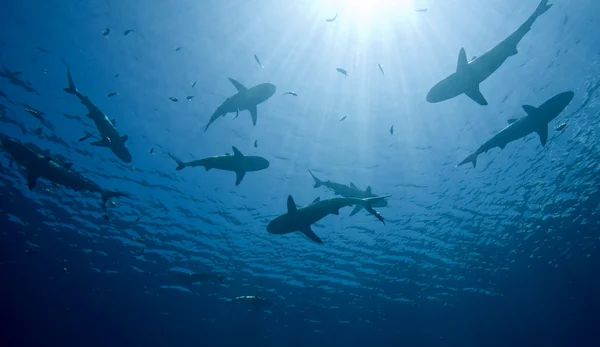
{"x":300,"y":173}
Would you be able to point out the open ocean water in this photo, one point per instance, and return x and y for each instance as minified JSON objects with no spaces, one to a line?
{"x":504,"y":253}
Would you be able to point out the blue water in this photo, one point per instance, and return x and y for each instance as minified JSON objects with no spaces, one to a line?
{"x":502,"y":254}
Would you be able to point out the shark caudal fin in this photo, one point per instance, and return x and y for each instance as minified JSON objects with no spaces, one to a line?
{"x":368,"y":205}
{"x":71,"y":88}
{"x":542,"y":8}
{"x":470,"y":159}
{"x":318,"y":182}
{"x":107,"y":194}
{"x":180,"y":164}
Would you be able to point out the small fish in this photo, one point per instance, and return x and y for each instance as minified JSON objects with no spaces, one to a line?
{"x":189,"y":98}
{"x":258,"y":61}
{"x":64,"y":270}
{"x":421,"y":10}
{"x":106,"y":31}
{"x":561,"y":126}
{"x":151,"y":151}
{"x":105,"y":216}
{"x":342,"y":71}
{"x":381,"y":69}
{"x":329,"y":20}
{"x":343,"y":118}
{"x":177,"y":49}
{"x":174,"y":99}
{"x":86,"y":136}
{"x":42,"y":50}
{"x":392,"y":130}
{"x":116,"y":75}
{"x":128,"y":31}
{"x":110,"y":95}
{"x":291,"y":93}
{"x":137,"y":220}
{"x":255,"y":143}
{"x":194,"y":84}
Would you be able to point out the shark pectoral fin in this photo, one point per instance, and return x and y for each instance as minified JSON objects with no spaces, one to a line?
{"x":357,"y":209}
{"x":311,"y":234}
{"x":462,"y":63}
{"x":236,"y":151}
{"x":502,"y":145}
{"x":254,"y":114}
{"x":543,"y":132}
{"x":237,"y":113}
{"x":104,"y":142}
{"x":239,"y":176}
{"x":291,"y":205}
{"x":240,"y":87}
{"x":530,"y":110}
{"x":368,"y":190}
{"x":475,"y":95}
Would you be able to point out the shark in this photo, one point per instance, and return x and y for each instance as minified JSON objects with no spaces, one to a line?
{"x":12,"y":77}
{"x":350,"y":191}
{"x":300,"y":219}
{"x":244,"y":99}
{"x":469,"y":75}
{"x":61,"y":173}
{"x":110,"y":137}
{"x":238,"y":163}
{"x":536,"y":120}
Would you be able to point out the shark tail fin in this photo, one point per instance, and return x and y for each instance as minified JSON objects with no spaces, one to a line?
{"x":318,"y":182}
{"x":71,"y":89}
{"x":470,"y":159}
{"x":180,"y":164}
{"x":368,"y":205}
{"x":107,"y":194}
{"x":542,"y":8}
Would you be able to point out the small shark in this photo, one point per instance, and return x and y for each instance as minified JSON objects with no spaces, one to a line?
{"x":11,"y":76}
{"x":350,"y":191}
{"x":238,"y":163}
{"x":329,"y":20}
{"x":537,"y":120}
{"x":106,"y":127}
{"x":469,"y":75}
{"x":342,"y":71}
{"x":381,"y":69}
{"x":60,"y":173}
{"x":256,"y":301}
{"x":300,"y":219}
{"x":245,"y":99}
{"x":258,"y":61}
{"x":190,"y":278}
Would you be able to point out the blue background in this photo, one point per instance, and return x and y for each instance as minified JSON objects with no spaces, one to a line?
{"x":503,"y":254}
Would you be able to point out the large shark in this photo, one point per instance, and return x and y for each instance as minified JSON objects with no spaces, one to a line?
{"x":350,"y":191}
{"x":300,"y":219}
{"x":536,"y":120}
{"x":106,"y":127}
{"x":60,"y":173}
{"x":245,"y":99}
{"x":11,"y":76}
{"x":469,"y":75}
{"x":238,"y":163}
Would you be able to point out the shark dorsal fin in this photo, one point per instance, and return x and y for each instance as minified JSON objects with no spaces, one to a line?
{"x":291,"y":205}
{"x":317,"y":199}
{"x":530,"y":110}
{"x":368,"y":190}
{"x":236,"y":151}
{"x":462,"y":63}
{"x":511,"y":120}
{"x":352,"y":185}
{"x":114,"y":122}
{"x":240,"y":87}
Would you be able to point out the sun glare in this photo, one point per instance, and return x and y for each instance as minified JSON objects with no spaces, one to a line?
{"x":367,"y":13}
